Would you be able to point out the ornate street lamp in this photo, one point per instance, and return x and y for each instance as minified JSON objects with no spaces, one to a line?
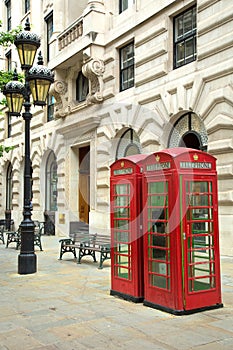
{"x":14,"y":92}
{"x":27,"y":44}
{"x":40,"y":79}
{"x":37,"y":83}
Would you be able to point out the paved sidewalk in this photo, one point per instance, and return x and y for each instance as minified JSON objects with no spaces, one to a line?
{"x":67,"y":306}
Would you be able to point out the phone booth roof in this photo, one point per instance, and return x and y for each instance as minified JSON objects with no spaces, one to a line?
{"x":128,"y":165}
{"x":180,"y":158}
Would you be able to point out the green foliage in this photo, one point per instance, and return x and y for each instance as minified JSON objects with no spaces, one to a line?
{"x":7,"y":38}
{"x":8,"y":76}
{"x":4,"y":149}
{"x":3,"y":103}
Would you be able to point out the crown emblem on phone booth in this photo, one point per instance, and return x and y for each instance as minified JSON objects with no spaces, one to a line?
{"x":157,"y":158}
{"x":195,"y":157}
{"x":122,"y":164}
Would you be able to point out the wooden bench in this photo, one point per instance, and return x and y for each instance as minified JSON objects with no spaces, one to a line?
{"x":2,"y":234}
{"x":15,"y":237}
{"x":87,"y":244}
{"x":69,"y":245}
{"x":7,"y":225}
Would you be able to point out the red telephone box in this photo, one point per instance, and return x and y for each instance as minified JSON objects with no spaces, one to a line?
{"x":181,"y":237}
{"x":126,"y":225}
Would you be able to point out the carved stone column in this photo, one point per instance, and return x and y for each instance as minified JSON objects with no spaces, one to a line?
{"x":94,"y":70}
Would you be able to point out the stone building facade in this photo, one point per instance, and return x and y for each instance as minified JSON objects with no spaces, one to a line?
{"x":132,"y":76}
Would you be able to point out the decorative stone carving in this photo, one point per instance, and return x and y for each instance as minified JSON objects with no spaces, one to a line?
{"x":59,"y":90}
{"x":95,"y":4}
{"x":94,"y":70}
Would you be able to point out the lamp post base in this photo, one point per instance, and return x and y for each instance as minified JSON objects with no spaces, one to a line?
{"x":26,"y":263}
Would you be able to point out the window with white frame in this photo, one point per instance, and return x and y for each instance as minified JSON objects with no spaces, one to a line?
{"x":50,"y":108}
{"x":82,"y":87}
{"x":9,"y":60}
{"x":49,"y":31}
{"x":26,"y":5}
{"x":125,"y":4}
{"x":8,"y":13}
{"x":9,"y":124}
{"x":185,"y":49}
{"x":127,"y":67}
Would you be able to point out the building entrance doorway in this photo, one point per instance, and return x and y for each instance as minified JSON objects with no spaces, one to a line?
{"x":84,"y":183}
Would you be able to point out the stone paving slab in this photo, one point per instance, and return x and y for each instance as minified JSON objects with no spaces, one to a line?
{"x":67,"y":306}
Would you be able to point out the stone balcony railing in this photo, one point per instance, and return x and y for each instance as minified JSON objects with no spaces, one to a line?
{"x":71,"y":34}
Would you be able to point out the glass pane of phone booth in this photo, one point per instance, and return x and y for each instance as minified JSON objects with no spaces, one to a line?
{"x":158,"y":236}
{"x":200,"y":244}
{"x":122,"y":248}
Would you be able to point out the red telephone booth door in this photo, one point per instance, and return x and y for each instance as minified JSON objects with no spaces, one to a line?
{"x":160,"y":270}
{"x":200,"y":243}
{"x":126,"y":222}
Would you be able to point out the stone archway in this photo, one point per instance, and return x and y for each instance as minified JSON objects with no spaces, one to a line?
{"x":188,"y":131}
{"x":128,"y":144}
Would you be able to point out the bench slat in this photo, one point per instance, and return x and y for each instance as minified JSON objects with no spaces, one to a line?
{"x":87,"y":244}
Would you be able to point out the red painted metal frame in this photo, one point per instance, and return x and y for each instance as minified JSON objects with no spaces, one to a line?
{"x":128,"y":171}
{"x":176,"y":166}
{"x":202,"y":298}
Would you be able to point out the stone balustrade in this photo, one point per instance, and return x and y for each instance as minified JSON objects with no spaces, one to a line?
{"x":71,"y":34}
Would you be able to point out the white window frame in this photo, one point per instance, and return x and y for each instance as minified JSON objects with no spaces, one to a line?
{"x":125,"y":4}
{"x":184,"y":40}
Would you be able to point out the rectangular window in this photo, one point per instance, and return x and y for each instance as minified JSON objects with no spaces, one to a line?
{"x":26,"y":5}
{"x":50,"y":103}
{"x":8,"y":13}
{"x":125,"y":4}
{"x":9,"y":61}
{"x":82,"y":87}
{"x":49,"y":31}
{"x":9,"y":126}
{"x":127,"y":67}
{"x":185,"y":50}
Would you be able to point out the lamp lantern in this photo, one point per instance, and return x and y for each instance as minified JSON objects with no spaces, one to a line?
{"x":15,"y":93}
{"x":27,"y":44}
{"x":40,"y":78}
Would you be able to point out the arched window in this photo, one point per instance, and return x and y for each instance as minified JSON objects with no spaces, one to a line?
{"x":189,"y":131}
{"x":9,"y":186}
{"x":51,"y":183}
{"x":128,"y":145}
{"x":82,"y":87}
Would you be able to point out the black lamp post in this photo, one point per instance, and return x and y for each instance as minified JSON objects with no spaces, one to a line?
{"x":37,"y":82}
